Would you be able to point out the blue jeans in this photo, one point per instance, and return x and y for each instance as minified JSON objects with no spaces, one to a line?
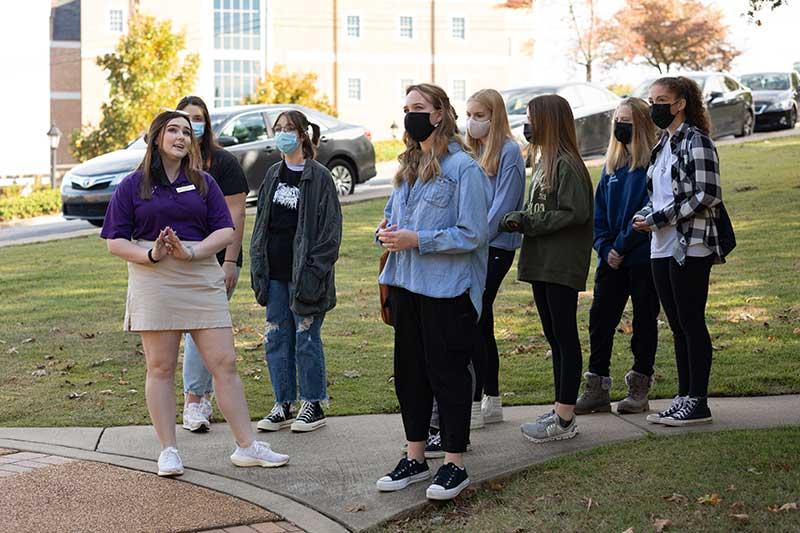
{"x":196,"y":377}
{"x":293,"y":348}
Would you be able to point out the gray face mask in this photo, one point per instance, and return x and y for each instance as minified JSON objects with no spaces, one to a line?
{"x":478,"y":129}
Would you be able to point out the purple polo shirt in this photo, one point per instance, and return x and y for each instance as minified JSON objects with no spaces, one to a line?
{"x":192,"y":216}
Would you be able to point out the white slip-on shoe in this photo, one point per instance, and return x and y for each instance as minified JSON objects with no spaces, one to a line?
{"x":258,"y":454}
{"x":169,"y":463}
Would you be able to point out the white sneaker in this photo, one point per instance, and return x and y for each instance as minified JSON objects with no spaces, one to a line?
{"x":195,"y":418}
{"x":476,"y":418}
{"x":492,"y":409}
{"x":207,"y":408}
{"x":258,"y":454}
{"x":169,"y":462}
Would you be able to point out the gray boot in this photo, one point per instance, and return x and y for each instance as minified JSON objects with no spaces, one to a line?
{"x":638,"y":387}
{"x":595,"y":397}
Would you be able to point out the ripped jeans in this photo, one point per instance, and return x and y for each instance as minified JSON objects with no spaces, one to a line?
{"x":293,"y":348}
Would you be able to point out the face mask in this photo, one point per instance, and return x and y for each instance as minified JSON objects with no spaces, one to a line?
{"x":623,"y":132}
{"x":662,"y":115}
{"x":198,"y":128}
{"x":418,"y":126}
{"x":478,"y":129}
{"x":527,"y":131}
{"x":287,"y":142}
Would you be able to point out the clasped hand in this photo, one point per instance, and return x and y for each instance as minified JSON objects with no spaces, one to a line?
{"x":168,"y":243}
{"x":396,"y":240}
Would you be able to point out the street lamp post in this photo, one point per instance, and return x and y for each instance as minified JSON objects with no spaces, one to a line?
{"x":54,"y":134}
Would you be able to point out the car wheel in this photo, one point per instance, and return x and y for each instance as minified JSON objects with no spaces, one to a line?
{"x":792,"y":119}
{"x":747,"y":126}
{"x":344,"y":177}
{"x":96,"y":223}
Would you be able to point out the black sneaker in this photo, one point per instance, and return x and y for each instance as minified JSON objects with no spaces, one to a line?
{"x":406,"y":472}
{"x":694,"y":411}
{"x":309,"y":418}
{"x":448,"y":483}
{"x":279,"y":418}
{"x":675,"y":406}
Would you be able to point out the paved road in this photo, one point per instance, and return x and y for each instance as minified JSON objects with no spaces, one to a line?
{"x":44,"y":229}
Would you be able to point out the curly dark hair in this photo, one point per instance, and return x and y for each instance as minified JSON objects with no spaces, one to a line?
{"x":696,"y":112}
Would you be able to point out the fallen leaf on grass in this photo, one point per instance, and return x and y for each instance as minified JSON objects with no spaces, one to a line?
{"x":352,"y":374}
{"x":88,"y":335}
{"x":29,"y":340}
{"x":660,"y":524}
{"x":626,"y":327}
{"x":786,"y":507}
{"x":12,"y":350}
{"x":355,"y":508}
{"x":99,"y":362}
{"x":132,"y":391}
{"x":55,"y":330}
{"x":629,"y":530}
{"x":737,"y":506}
{"x":495,"y":486}
{"x":676,"y":498}
{"x":39,"y":373}
{"x":754,"y":470}
{"x":709,"y":499}
{"x":740,"y":517}
{"x":107,"y":391}
{"x":76,"y":395}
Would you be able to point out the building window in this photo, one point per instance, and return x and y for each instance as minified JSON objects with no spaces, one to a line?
{"x":459,"y":28}
{"x":405,"y":83}
{"x":407,"y":27}
{"x":459,"y":90}
{"x":116,"y":20}
{"x":237,"y":24}
{"x":353,"y":26}
{"x":233,"y":80}
{"x":354,"y":88}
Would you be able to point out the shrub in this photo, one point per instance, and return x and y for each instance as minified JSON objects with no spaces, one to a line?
{"x":42,"y":202}
{"x":388,"y":150}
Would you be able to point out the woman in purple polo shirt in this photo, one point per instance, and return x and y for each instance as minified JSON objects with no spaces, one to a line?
{"x":168,"y":219}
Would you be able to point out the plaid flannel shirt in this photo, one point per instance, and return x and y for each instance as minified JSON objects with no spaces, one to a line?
{"x":695,"y":187}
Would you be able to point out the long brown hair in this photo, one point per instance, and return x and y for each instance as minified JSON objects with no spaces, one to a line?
{"x":637,"y":153}
{"x":554,"y":136}
{"x":208,"y":144}
{"x":301,"y":124}
{"x":414,"y":163}
{"x":499,"y":130}
{"x":686,"y":88}
{"x":190,"y":164}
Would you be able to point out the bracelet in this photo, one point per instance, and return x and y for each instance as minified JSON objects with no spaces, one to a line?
{"x":150,"y":256}
{"x":230,"y":261}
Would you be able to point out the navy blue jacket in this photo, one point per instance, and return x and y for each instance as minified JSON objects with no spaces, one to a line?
{"x":618,"y":198}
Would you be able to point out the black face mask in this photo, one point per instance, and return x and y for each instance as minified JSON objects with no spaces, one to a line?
{"x":623,"y":132}
{"x":418,"y":126}
{"x":661,"y":115}
{"x":527,"y":131}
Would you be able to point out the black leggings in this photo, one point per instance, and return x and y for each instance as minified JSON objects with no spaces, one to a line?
{"x":487,"y":368}
{"x":558,"y":307}
{"x":683,"y":291}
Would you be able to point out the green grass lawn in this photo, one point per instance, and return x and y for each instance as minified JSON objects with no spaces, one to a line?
{"x":62,"y":304}
{"x":728,"y":481}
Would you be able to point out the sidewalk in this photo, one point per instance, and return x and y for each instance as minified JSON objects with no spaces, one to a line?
{"x":330,"y":483}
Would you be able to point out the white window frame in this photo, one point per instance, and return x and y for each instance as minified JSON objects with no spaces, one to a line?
{"x":360,"y":79}
{"x":346,"y":25}
{"x":400,"y":27}
{"x":455,"y":98}
{"x":123,"y":9}
{"x":453,"y":28}
{"x":225,"y":101}
{"x":236,"y":52}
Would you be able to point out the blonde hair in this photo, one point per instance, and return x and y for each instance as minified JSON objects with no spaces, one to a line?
{"x":499,"y":130}
{"x":555,"y":138}
{"x":414,"y":163}
{"x":637,"y":153}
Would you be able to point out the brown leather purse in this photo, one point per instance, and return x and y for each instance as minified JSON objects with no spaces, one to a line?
{"x":386,"y":311}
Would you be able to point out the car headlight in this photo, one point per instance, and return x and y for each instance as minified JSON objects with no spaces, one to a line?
{"x":783,"y":105}
{"x":66,"y":181}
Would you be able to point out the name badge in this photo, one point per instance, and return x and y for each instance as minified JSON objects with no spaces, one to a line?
{"x":186,"y":188}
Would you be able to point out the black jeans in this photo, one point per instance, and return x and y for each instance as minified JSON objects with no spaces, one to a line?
{"x":487,"y":360}
{"x":558,"y":307}
{"x":434,"y":339}
{"x":683,"y":291}
{"x":611,"y":291}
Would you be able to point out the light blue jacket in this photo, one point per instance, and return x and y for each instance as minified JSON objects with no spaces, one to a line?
{"x":449,"y":213}
{"x":508,"y":191}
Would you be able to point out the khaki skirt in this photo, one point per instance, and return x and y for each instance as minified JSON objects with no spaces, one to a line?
{"x":176,"y":295}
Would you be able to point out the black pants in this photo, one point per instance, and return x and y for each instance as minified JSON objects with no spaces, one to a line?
{"x":611,"y":291}
{"x":486,"y":359}
{"x":434,"y":339}
{"x":558,"y":307}
{"x":683,"y":291}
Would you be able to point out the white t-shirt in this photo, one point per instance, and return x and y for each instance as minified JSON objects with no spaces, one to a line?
{"x":665,"y":239}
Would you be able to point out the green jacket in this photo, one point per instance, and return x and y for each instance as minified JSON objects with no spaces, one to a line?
{"x":316,"y":242}
{"x":556,"y":229}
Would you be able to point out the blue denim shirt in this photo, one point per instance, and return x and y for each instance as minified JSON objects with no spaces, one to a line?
{"x":449,"y":213}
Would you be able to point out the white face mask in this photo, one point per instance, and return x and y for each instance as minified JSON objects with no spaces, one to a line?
{"x":478,"y":129}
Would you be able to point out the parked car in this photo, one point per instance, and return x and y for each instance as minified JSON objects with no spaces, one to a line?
{"x":592,"y":105}
{"x":245,"y":131}
{"x":730,"y":104}
{"x":777,"y":98}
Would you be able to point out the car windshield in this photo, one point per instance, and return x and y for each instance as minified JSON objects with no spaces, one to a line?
{"x":216,"y":121}
{"x":517,"y":101}
{"x":643,"y":90}
{"x":767,"y":82}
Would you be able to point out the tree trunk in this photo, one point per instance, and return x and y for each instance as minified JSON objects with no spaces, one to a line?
{"x":589,"y":70}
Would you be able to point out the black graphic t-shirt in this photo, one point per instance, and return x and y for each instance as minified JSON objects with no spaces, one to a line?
{"x":283,"y":223}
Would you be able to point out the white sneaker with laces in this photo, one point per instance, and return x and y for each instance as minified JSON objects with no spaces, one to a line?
{"x":258,"y":454}
{"x":169,"y":463}
{"x":476,"y":417}
{"x":207,"y":408}
{"x":195,"y":418}
{"x":492,"y":409}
